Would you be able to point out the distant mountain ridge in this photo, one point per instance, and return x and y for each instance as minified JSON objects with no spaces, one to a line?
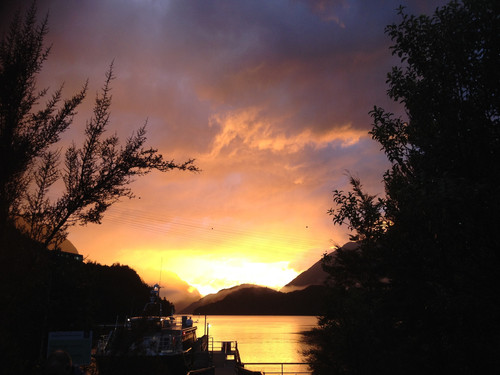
{"x":314,"y":275}
{"x":303,"y":295}
{"x":259,"y":300}
{"x":214,"y":297}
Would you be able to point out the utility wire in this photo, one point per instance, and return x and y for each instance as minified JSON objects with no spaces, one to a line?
{"x":190,"y":229}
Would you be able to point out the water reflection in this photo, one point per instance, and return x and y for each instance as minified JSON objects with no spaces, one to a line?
{"x":261,"y":338}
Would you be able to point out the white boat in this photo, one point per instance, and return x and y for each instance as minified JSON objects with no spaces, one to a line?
{"x":148,"y":344}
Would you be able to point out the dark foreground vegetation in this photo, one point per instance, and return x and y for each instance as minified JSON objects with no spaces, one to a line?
{"x":42,"y":291}
{"x":421,"y":293}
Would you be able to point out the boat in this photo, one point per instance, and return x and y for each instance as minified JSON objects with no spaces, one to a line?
{"x":152,"y":343}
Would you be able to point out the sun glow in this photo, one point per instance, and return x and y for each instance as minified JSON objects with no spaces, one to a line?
{"x":209,"y":273}
{"x":226,"y":273}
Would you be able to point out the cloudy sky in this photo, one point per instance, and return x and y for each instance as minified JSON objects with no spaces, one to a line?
{"x":271,"y":97}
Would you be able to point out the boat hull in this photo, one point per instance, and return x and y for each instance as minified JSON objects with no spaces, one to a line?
{"x":138,"y":365}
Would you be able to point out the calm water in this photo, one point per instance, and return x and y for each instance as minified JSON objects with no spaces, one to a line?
{"x":260,"y":338}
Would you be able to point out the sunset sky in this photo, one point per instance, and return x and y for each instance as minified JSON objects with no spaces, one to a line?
{"x":270,"y":97}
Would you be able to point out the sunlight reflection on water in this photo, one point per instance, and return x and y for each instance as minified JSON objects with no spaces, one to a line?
{"x":261,"y":338}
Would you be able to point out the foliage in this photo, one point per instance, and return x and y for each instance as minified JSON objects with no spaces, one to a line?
{"x":95,"y":176}
{"x":420,"y":296}
{"x":43,"y":291}
{"x":360,"y":211}
{"x":26,"y":133}
{"x":23,"y":277}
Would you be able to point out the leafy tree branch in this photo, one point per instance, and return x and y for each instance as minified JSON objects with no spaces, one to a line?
{"x":419,"y":293}
{"x":95,"y":175}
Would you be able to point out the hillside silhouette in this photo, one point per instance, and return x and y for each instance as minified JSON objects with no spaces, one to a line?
{"x":43,"y":290}
{"x":259,"y":300}
{"x":314,"y":275}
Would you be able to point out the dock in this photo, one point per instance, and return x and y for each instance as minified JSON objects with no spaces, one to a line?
{"x":223,"y":358}
{"x":224,"y":363}
{"x":220,"y":358}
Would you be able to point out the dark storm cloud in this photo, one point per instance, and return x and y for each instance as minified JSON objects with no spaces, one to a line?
{"x":322,"y":63}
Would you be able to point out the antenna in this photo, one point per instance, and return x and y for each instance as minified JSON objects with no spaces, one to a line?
{"x":159,"y":286}
{"x":161,"y":266}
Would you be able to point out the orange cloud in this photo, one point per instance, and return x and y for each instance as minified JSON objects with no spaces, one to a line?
{"x":271,"y":98}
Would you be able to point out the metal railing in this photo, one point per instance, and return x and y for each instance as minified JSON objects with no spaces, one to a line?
{"x":281,"y":368}
{"x":227,"y":347}
{"x":267,"y":368}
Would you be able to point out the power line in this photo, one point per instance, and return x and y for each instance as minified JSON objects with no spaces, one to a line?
{"x":190,"y":229}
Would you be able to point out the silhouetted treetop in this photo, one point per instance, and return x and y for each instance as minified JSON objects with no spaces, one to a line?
{"x":95,"y":175}
{"x":420,"y":293}
{"x":26,"y":134}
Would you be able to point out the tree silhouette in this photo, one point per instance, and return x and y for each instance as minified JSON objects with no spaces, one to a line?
{"x":40,"y":290}
{"x":26,"y":134}
{"x":421,"y":296}
{"x":95,"y":176}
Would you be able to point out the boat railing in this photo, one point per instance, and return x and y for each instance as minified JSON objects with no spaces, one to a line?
{"x":174,"y":322}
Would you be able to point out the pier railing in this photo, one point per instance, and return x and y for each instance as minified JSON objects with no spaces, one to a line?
{"x":229,"y":348}
{"x":279,"y":368}
{"x":229,"y":351}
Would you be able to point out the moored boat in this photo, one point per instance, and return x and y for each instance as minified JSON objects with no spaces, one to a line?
{"x":152,"y":343}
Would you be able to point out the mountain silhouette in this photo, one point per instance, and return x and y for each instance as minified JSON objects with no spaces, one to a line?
{"x":301,"y":296}
{"x":214,"y":297}
{"x":259,"y":300}
{"x":314,"y":275}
